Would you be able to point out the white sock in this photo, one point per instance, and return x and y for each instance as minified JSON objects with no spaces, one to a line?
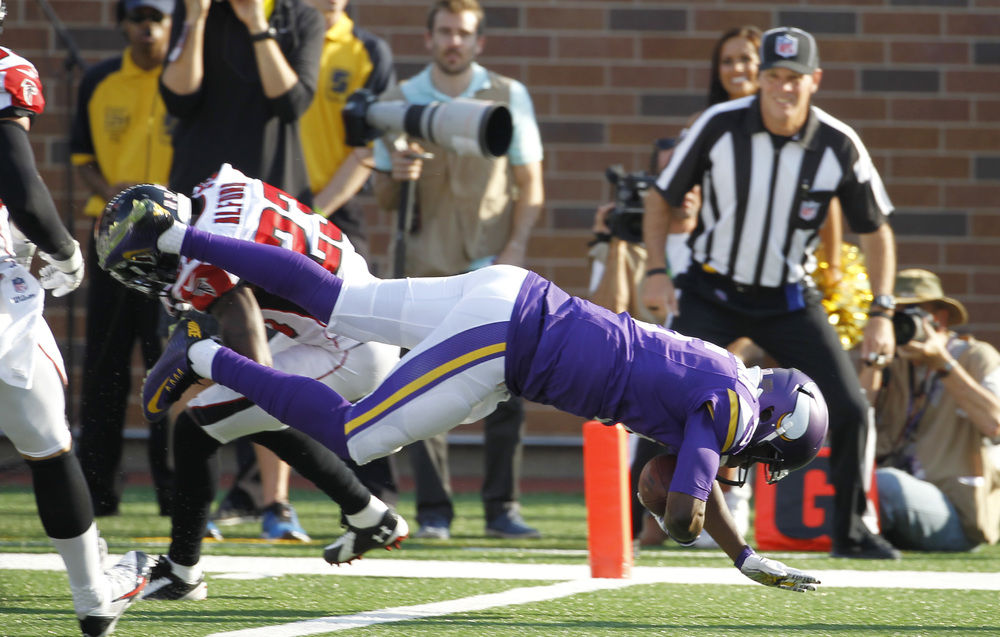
{"x":201,"y":354}
{"x":368,"y":516}
{"x":82,"y":557}
{"x":171,"y":240}
{"x":189,"y":574}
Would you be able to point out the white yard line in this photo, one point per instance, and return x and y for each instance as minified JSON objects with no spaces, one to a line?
{"x":248,"y":567}
{"x":435,"y":609}
{"x":577,"y":580}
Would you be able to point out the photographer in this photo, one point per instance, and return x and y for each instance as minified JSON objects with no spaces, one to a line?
{"x":938,"y":420}
{"x":468,"y":212}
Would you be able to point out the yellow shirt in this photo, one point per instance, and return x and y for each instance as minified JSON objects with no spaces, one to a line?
{"x":122,"y":125}
{"x":352,"y":58}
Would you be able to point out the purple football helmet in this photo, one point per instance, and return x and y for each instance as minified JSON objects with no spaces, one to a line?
{"x":792,"y":426}
{"x":149,"y":274}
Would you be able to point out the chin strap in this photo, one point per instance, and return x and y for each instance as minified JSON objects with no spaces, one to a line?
{"x":742,"y":473}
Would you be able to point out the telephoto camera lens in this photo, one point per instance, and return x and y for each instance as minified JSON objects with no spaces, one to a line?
{"x":908,"y":325}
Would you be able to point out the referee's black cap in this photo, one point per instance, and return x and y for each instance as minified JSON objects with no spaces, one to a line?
{"x":789,"y":48}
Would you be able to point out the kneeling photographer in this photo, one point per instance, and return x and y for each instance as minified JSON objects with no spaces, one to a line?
{"x":938,"y":420}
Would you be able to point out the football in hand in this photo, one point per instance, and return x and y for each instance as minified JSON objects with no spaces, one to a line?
{"x":654,"y":482}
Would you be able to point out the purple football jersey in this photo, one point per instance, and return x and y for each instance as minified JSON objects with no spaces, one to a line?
{"x":695,"y":398}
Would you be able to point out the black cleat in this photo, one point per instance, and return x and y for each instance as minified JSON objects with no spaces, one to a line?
{"x":388,"y":533}
{"x":870,"y":547}
{"x":165,"y":586}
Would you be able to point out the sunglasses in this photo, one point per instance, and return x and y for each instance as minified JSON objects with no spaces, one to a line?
{"x":141,"y":15}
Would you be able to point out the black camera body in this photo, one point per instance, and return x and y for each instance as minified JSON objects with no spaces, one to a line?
{"x":625,"y":221}
{"x":908,"y":324}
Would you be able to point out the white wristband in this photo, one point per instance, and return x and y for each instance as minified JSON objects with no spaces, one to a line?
{"x":71,"y":263}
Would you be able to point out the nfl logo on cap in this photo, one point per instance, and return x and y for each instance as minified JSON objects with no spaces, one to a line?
{"x":786,"y":46}
{"x":789,"y":48}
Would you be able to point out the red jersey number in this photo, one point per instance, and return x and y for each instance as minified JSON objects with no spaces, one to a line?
{"x":277,"y":228}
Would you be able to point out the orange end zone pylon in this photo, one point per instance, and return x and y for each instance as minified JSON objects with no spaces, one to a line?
{"x":606,"y":489}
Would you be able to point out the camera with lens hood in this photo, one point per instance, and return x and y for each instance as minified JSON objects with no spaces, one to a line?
{"x":908,"y":324}
{"x":466,"y":126}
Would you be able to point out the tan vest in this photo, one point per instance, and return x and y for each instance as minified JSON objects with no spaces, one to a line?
{"x":463,"y":210}
{"x":949,"y":447}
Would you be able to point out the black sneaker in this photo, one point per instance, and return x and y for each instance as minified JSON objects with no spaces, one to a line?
{"x":236,"y":508}
{"x":388,"y":533}
{"x":165,"y":586}
{"x":870,"y":547}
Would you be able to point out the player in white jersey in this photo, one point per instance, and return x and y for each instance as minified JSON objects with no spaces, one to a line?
{"x":253,"y":210}
{"x":32,"y":375}
{"x":231,"y":204}
{"x":249,"y":209}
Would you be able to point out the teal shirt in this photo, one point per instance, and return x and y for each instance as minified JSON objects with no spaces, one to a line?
{"x":526,"y":145}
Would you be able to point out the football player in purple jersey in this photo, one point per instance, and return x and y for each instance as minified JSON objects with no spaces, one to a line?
{"x":476,"y":338}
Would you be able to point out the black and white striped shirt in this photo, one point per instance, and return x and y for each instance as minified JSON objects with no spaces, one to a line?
{"x":763,"y":201}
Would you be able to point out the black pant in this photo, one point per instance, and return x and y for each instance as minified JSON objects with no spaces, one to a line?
{"x":503,"y":430}
{"x":117,"y":318}
{"x":197,"y":476}
{"x":805,"y":340}
{"x":350,"y":218}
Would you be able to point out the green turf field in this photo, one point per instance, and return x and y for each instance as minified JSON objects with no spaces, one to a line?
{"x":36,"y":603}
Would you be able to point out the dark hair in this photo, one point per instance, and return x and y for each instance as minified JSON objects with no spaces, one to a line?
{"x":457,"y":6}
{"x":716,"y":92}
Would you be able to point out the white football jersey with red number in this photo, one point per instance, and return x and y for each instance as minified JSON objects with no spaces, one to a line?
{"x":20,"y":86}
{"x":20,"y":95}
{"x":25,"y":338}
{"x":249,"y":209}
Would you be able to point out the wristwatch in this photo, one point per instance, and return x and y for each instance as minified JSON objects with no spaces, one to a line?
{"x":269,"y":34}
{"x":884,"y":301}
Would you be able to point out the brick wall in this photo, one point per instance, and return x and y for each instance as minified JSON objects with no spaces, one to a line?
{"x":918,"y":79}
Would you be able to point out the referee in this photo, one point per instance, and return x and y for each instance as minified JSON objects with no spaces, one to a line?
{"x":768,"y":166}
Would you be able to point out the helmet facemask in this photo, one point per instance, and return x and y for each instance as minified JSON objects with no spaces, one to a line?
{"x":763,"y":454}
{"x":149,"y":273}
{"x":791,"y":429}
